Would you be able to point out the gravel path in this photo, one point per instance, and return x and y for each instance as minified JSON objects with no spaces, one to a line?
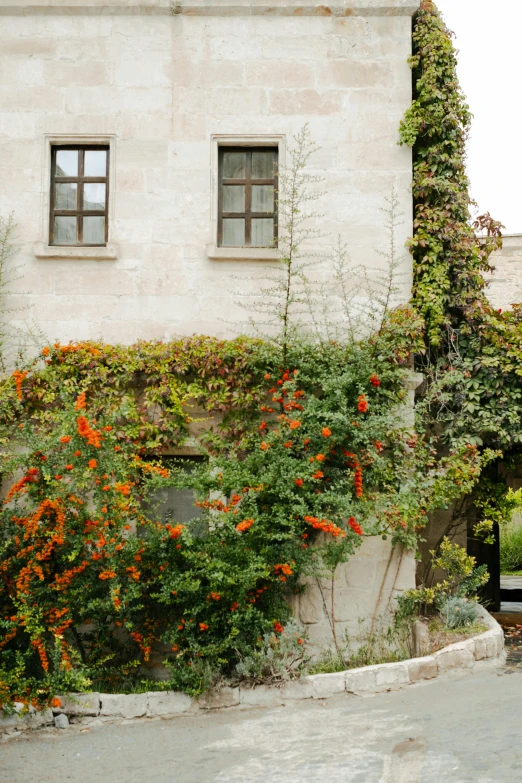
{"x":451,"y":731}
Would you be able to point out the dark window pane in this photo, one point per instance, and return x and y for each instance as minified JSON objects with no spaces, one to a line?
{"x":233,"y":232}
{"x":234,"y":165}
{"x":175,"y":506}
{"x":95,"y":164}
{"x":263,"y":165}
{"x":64,"y":230}
{"x":233,"y":198}
{"x":262,"y":232}
{"x":93,"y":230}
{"x":66,"y":163}
{"x":66,"y":195}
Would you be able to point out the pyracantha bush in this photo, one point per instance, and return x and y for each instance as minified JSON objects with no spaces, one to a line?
{"x":91,"y":584}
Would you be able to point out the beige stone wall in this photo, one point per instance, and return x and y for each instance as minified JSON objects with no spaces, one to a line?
{"x":505,"y":283}
{"x":160,"y":86}
{"x":365,"y":590}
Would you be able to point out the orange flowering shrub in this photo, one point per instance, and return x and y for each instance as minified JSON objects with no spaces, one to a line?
{"x":302,"y":462}
{"x":66,"y":560}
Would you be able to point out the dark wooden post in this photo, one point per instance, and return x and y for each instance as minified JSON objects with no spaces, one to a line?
{"x":488,"y":555}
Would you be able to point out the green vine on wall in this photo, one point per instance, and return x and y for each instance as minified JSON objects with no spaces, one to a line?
{"x":473,"y":357}
{"x":449,"y":258}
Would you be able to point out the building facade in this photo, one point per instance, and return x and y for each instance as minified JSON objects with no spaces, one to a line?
{"x":140,"y":144}
{"x":163,"y":87}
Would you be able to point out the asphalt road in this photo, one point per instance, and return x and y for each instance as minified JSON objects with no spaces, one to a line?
{"x":452,"y":731}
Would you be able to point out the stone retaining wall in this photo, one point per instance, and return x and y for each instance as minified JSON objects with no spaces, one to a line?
{"x":474,"y":654}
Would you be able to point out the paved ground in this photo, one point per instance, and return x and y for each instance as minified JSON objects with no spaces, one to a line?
{"x":454,"y":731}
{"x":510,"y":582}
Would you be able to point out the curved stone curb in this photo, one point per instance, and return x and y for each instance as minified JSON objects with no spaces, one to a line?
{"x":485,"y":649}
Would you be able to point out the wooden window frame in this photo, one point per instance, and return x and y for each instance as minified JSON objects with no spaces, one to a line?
{"x":79,"y":213}
{"x":248,"y":182}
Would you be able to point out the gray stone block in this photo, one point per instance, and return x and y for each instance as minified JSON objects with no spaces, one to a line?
{"x":310,"y":606}
{"x":421,"y":638}
{"x":61,"y":721}
{"x":167,"y":703}
{"x":79,"y":704}
{"x":361,"y":681}
{"x":125,"y":705}
{"x":422,"y":668}
{"x":491,"y":644}
{"x":30,"y":720}
{"x":297,"y":689}
{"x":481,"y":651}
{"x":325,"y":685}
{"x":260,"y":696}
{"x":391,"y":676}
{"x":456,"y":656}
{"x":212,"y":700}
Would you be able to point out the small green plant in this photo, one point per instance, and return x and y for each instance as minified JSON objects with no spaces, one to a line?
{"x":511,"y":548}
{"x":463,"y":580}
{"x":280,"y":657}
{"x":458,"y":612}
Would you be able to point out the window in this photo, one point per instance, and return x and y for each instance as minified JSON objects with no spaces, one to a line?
{"x":79,"y":195}
{"x":247,"y":197}
{"x":172,"y":505}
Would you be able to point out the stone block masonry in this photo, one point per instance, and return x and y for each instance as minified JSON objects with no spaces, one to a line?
{"x":160,"y":85}
{"x":365,"y":591}
{"x":505,"y":283}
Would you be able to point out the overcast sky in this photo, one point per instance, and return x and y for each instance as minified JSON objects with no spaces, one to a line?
{"x":489,"y":40}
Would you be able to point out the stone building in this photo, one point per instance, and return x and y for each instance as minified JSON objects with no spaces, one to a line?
{"x":138,"y":145}
{"x":505,"y":283}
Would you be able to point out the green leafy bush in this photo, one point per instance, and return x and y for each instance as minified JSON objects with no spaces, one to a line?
{"x":281,"y":656}
{"x":511,"y":548}
{"x":301,"y":463}
{"x":462,"y":580}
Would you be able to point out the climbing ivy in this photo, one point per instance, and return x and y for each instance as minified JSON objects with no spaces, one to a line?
{"x":472,"y":358}
{"x":449,"y":257}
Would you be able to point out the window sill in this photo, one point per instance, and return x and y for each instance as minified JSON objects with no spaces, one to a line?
{"x":76,"y":253}
{"x":242,"y":253}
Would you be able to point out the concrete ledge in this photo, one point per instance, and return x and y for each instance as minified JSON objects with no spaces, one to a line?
{"x":209,"y":7}
{"x":474,"y":654}
{"x":215,"y":253}
{"x":108,"y":252}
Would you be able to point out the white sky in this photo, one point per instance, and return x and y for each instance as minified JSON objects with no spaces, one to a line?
{"x":489,"y":40}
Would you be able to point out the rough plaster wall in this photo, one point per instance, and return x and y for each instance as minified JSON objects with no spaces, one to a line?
{"x":163,"y":85}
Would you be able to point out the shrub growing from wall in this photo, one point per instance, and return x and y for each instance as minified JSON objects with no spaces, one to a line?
{"x":302,"y":461}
